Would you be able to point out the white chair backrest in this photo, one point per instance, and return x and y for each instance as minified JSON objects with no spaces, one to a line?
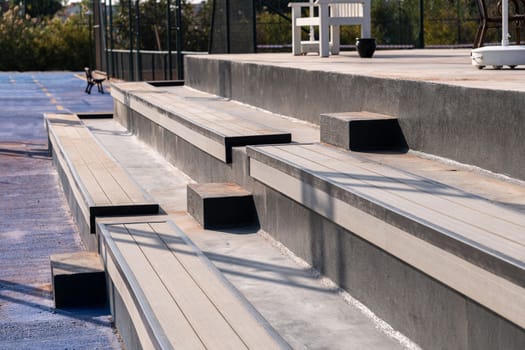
{"x":346,"y":10}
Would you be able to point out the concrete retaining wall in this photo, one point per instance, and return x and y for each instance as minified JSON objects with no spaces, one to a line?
{"x":481,"y":127}
{"x":425,"y":310}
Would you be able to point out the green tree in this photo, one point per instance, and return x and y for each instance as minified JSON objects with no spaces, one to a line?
{"x":30,"y":43}
{"x":152,"y":27}
{"x":39,"y":8}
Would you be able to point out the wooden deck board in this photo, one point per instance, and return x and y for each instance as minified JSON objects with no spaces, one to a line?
{"x":222,"y":122}
{"x":392,"y":199}
{"x":448,"y":200}
{"x":180,"y":295}
{"x":106,"y":182}
{"x":103,"y":186}
{"x":198,"y":309}
{"x":241,"y":320}
{"x":177,"y":328}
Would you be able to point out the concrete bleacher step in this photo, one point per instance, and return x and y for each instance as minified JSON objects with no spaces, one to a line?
{"x":94,"y":183}
{"x":213,"y":125}
{"x":165,"y":294}
{"x":464,"y":241}
{"x":78,"y":280}
{"x":362,"y":131}
{"x":221,"y":205}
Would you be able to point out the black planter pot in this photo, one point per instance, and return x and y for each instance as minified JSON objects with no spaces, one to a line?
{"x":366,"y":47}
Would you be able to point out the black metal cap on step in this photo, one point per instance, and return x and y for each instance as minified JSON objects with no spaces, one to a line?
{"x":362,"y":131}
{"x":221,"y":205}
{"x":78,"y":279}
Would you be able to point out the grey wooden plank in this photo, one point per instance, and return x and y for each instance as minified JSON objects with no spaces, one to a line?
{"x":220,"y":121}
{"x":428,"y":216}
{"x":201,"y":313}
{"x":216,"y":117}
{"x":100,"y":173}
{"x":111,"y":188}
{"x":245,"y":323}
{"x":452,"y":201}
{"x":175,"y":325}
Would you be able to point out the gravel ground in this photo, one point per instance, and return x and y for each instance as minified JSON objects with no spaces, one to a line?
{"x":34,"y":218}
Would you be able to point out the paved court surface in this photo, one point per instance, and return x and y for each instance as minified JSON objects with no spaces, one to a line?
{"x":34,"y":219}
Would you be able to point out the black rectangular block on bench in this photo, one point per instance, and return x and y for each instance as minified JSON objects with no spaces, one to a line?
{"x":78,"y":279}
{"x":362,"y":131}
{"x":219,"y":205}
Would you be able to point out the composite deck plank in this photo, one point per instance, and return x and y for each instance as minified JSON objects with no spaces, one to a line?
{"x":81,"y":169}
{"x":395,"y":202}
{"x":90,"y":183}
{"x":443,"y":198}
{"x":107,"y":183}
{"x":176,"y":326}
{"x":221,"y":123}
{"x":111,"y":177}
{"x":94,"y":154}
{"x":134,"y":193}
{"x":245,"y":324}
{"x":456,"y":202}
{"x":116,"y":194}
{"x":99,"y":173}
{"x":210,"y":326}
{"x":217,"y":119}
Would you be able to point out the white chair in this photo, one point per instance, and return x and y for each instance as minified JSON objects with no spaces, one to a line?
{"x":331,"y":15}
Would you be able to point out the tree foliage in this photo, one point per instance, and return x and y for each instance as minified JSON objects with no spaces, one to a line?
{"x":32,"y":43}
{"x":151,"y":28}
{"x":39,"y":8}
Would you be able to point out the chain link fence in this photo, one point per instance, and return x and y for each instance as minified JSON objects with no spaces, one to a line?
{"x":146,"y":39}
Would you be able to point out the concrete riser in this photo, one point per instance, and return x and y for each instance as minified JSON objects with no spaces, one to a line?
{"x":428,"y":312}
{"x":89,"y":240}
{"x":481,"y":127}
{"x":122,"y":319}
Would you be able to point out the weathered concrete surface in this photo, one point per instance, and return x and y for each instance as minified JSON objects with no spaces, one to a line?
{"x":426,"y":315}
{"x":444,"y":105}
{"x":34,"y":221}
{"x":308,"y":312}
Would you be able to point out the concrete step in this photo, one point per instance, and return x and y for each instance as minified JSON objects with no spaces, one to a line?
{"x":307,"y":311}
{"x":362,"y":131}
{"x":220,"y":205}
{"x":94,"y":183}
{"x":78,"y":279}
{"x":210,"y":124}
{"x":472,"y":246}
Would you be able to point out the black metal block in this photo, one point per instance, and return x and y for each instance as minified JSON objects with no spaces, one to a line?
{"x":221,"y":205}
{"x":78,"y":280}
{"x":362,"y":131}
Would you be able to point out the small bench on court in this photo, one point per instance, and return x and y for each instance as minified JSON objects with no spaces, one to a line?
{"x":95,"y":184}
{"x":209,"y":123}
{"x":172,"y":294}
{"x":464,"y":241}
{"x":93,"y":80}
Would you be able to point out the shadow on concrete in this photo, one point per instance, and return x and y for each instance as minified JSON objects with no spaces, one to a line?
{"x":283,"y":275}
{"x":89,"y":315}
{"x":32,"y":153}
